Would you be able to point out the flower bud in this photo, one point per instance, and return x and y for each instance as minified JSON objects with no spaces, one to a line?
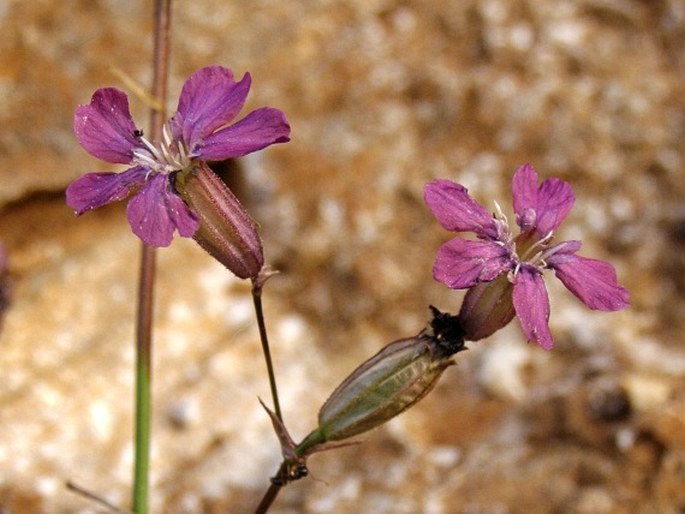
{"x":227,"y":232}
{"x":487,"y":307}
{"x":388,"y":383}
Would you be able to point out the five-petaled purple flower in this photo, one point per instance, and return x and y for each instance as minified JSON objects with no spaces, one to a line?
{"x":504,"y":272}
{"x":196,"y":133}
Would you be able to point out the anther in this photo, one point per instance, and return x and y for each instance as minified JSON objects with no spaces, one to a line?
{"x":499,"y":213}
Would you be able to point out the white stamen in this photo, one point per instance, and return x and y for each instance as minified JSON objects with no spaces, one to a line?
{"x":182,"y":153}
{"x":539,"y":247}
{"x":499,"y":213}
{"x":165,"y":157}
{"x":537,"y":258}
{"x":512,"y":273}
{"x":152,"y":148}
{"x":166,"y":135}
{"x":144,"y":158}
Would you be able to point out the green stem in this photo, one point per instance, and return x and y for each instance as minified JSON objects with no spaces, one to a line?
{"x":143,"y":396}
{"x":143,"y":393}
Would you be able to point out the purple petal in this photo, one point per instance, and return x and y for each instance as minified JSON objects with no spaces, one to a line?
{"x":155,"y":212}
{"x":565,"y":247}
{"x":524,"y":187}
{"x":554,"y":203}
{"x":456,"y":210}
{"x":257,"y":130}
{"x":542,"y":209}
{"x":210,"y":99}
{"x":532,"y":306}
{"x":593,"y":281}
{"x":105,"y":128}
{"x":461,"y":263}
{"x":94,"y":190}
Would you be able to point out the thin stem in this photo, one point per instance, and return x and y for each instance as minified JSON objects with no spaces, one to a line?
{"x":162,"y":16}
{"x":271,"y":493}
{"x":94,"y":497}
{"x":257,"y":285}
{"x":143,"y":393}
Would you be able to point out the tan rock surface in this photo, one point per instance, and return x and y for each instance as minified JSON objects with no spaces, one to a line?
{"x":383,"y":96}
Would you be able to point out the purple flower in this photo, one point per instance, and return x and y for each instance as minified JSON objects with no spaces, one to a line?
{"x":501,"y":270}
{"x":199,"y":131}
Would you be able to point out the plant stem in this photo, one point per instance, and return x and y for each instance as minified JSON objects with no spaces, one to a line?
{"x":257,"y":285}
{"x":94,"y":497}
{"x":270,"y":494}
{"x":143,"y":396}
{"x":143,"y":393}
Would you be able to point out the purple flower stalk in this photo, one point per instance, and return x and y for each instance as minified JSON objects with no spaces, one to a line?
{"x":503,"y":272}
{"x":199,"y":131}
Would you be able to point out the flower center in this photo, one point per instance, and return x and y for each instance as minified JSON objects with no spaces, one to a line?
{"x":535,"y":253}
{"x":166,"y":157}
{"x":527,"y":248}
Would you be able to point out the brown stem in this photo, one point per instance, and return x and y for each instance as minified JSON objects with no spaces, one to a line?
{"x":259,"y":313}
{"x":95,"y":498}
{"x":160,"y":63}
{"x":144,"y":314}
{"x":271,"y":493}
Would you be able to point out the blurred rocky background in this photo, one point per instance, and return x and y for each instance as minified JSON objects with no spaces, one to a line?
{"x":383,"y":96}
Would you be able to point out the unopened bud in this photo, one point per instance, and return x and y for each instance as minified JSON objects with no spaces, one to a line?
{"x":487,"y":307}
{"x":227,"y":232}
{"x":388,"y":383}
